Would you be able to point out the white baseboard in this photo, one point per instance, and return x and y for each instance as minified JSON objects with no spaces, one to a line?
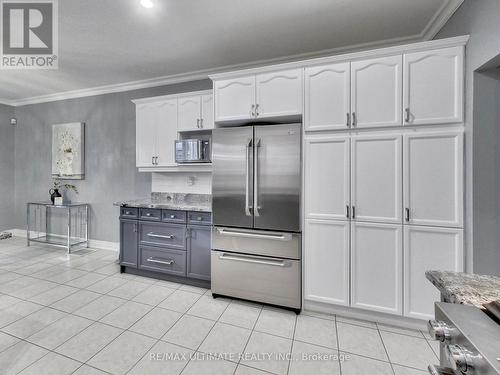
{"x":373,"y":316}
{"x":95,"y":244}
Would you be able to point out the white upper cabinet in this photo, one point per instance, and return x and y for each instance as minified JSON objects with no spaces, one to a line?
{"x":433,"y":178}
{"x":377,"y":267}
{"x":234,"y":99}
{"x":267,"y":95}
{"x":433,"y":86}
{"x":189,"y":108}
{"x":376,"y":92}
{"x":428,"y":248}
{"x":279,"y":94}
{"x":195,"y":112}
{"x":376,"y":178}
{"x":147,"y":117}
{"x":327,"y":177}
{"x":166,"y":133}
{"x":327,"y":98}
{"x":207,"y":111}
{"x":326,"y":261}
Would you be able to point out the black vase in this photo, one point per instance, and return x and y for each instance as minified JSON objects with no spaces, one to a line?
{"x":54,"y":193}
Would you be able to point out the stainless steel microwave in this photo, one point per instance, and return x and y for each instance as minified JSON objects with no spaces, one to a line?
{"x":192,"y":151}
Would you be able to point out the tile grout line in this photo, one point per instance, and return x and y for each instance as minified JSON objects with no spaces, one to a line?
{"x":385,"y":349}
{"x":293,"y":341}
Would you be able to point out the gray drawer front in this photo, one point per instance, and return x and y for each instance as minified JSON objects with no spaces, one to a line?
{"x":163,"y":260}
{"x":199,"y":218}
{"x":169,"y":235}
{"x":150,"y":214}
{"x":129,"y":212}
{"x":173,"y":216}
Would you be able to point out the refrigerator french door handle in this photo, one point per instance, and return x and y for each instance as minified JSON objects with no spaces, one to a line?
{"x":248,"y":147}
{"x":256,"y":179}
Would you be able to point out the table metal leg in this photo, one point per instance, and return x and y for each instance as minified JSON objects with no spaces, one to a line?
{"x":87,"y":226}
{"x":69,"y":230}
{"x":28,"y":224}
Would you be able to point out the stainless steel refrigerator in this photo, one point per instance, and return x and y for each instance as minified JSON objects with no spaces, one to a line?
{"x":256,"y":188}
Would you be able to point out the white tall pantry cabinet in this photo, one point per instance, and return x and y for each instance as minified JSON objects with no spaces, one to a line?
{"x":383,"y":197}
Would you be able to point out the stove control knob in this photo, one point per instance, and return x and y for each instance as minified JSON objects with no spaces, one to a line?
{"x":441,"y":331}
{"x":460,"y":359}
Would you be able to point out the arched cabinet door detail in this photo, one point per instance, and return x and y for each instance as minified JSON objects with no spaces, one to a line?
{"x":234,"y":99}
{"x":376,"y":92}
{"x":433,"y":86}
{"x":327,"y":99}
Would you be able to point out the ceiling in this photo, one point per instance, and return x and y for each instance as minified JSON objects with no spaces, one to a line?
{"x":107,"y":44}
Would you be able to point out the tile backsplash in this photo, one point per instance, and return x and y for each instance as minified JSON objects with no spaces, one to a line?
{"x":180,"y":182}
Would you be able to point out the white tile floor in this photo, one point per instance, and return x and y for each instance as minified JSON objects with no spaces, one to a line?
{"x":77,"y":314}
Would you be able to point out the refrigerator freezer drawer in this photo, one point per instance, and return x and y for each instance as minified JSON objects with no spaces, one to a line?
{"x":257,"y":242}
{"x":261,"y":279}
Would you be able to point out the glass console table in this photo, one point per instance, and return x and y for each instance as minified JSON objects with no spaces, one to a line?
{"x":74,"y":232}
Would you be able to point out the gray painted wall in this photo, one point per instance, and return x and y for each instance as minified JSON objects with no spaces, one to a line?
{"x":479,"y":19}
{"x":111,"y":174}
{"x":6,"y":168}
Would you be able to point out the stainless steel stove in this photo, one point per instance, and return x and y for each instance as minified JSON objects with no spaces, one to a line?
{"x":469,"y":338}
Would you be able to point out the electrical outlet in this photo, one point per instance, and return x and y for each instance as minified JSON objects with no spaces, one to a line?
{"x":13,"y":121}
{"x":191,"y":180}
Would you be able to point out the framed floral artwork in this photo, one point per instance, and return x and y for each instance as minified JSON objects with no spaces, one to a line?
{"x":68,"y":151}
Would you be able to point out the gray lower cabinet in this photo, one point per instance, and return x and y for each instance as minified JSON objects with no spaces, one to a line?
{"x":128,"y":243}
{"x":165,"y":241}
{"x":198,"y":252}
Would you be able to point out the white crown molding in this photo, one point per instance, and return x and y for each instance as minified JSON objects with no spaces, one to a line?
{"x":431,"y":29}
{"x":440,"y":18}
{"x":170,"y":96}
{"x":94,"y":244}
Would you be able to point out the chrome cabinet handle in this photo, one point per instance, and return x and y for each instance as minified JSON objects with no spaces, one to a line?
{"x":172,"y":216}
{"x":407,"y":114}
{"x":156,"y":159}
{"x":128,"y":213}
{"x":148,"y":214}
{"x":407,"y":214}
{"x":255,"y":260}
{"x":256,"y":180}
{"x":354,"y":121}
{"x":252,"y":111}
{"x":248,"y":147}
{"x":347,"y":211}
{"x":201,"y":123}
{"x":198,"y":123}
{"x":353,"y":216}
{"x":270,"y":236}
{"x":167,"y":262}
{"x":348,"y":122}
{"x":135,"y":228}
{"x":166,"y":237}
{"x":256,"y":110}
{"x":152,"y":160}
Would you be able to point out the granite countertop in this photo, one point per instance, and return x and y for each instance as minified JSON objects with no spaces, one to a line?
{"x":466,"y":288}
{"x":172,"y":201}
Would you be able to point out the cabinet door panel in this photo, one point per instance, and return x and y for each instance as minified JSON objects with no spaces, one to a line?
{"x":376,"y":91}
{"x":433,"y":178}
{"x":199,"y":252}
{"x":376,"y":177}
{"x":234,"y":98}
{"x":146,"y":120}
{"x":376,"y":267}
{"x":327,"y":101}
{"x":326,"y":177}
{"x":279,"y":93}
{"x":167,"y":132}
{"x":128,"y":243}
{"x":326,"y":261}
{"x":189,"y":112}
{"x":207,"y":111}
{"x":428,"y":248}
{"x":433,"y":86}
